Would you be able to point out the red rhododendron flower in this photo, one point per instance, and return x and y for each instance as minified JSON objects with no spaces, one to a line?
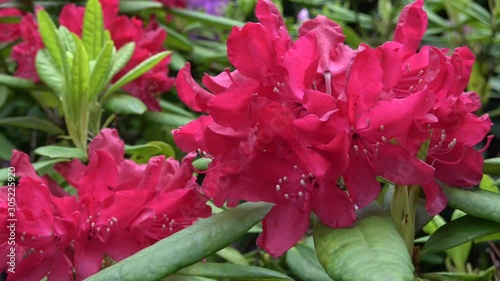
{"x":122,"y":207}
{"x":309,"y":125}
{"x":148,"y":41}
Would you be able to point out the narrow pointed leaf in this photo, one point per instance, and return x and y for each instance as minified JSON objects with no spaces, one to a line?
{"x":6,"y":147}
{"x":121,"y":58}
{"x":32,"y":123}
{"x":50,"y":38}
{"x":53,"y":151}
{"x":492,"y":166}
{"x":187,"y":246}
{"x":137,"y":71}
{"x":93,"y":28}
{"x":480,"y":203}
{"x":459,"y":231}
{"x":232,"y":271}
{"x":371,"y":250}
{"x":206,"y":19}
{"x":134,"y":6}
{"x":100,"y":74}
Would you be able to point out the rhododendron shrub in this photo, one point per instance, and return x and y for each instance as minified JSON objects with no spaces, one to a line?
{"x":312,"y":125}
{"x":120,"y":208}
{"x":123,"y":29}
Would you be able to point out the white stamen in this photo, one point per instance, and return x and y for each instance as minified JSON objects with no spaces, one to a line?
{"x":382,"y":127}
{"x":278,"y":188}
{"x":301,"y":194}
{"x":276,"y":90}
{"x":287,"y":197}
{"x":303,"y":183}
{"x":384,"y":139}
{"x":356,"y":148}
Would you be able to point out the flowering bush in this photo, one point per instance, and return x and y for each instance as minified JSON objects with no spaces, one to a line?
{"x":333,"y":157}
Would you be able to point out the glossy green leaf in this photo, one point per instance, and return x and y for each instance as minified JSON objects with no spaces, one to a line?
{"x":232,"y":272}
{"x":53,"y":151}
{"x":480,"y":203}
{"x":232,"y":255}
{"x":47,"y":71}
{"x":50,"y":38}
{"x":93,"y":28}
{"x":487,"y":183}
{"x":303,"y":262}
{"x":121,"y":58}
{"x":16,"y":82}
{"x":187,"y":246}
{"x":459,"y":231}
{"x":492,"y":166}
{"x":100,"y":73}
{"x":206,"y":19}
{"x":168,"y":119}
{"x":371,"y":250}
{"x":32,"y":123}
{"x":134,"y":6}
{"x":137,"y":71}
{"x":125,"y":104}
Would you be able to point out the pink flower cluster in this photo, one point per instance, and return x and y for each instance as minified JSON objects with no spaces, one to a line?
{"x":148,"y":41}
{"x":311,"y":124}
{"x":121,"y":208}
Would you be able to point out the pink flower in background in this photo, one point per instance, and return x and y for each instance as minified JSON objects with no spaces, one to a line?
{"x":10,"y":31}
{"x":148,"y":42}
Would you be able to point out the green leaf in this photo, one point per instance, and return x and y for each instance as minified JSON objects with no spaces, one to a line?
{"x":37,"y":166}
{"x":232,"y":255}
{"x":371,"y":250}
{"x":480,"y":203}
{"x":166,"y":118}
{"x":176,"y":108}
{"x":16,"y":82}
{"x":176,"y":40}
{"x":206,"y":19}
{"x":137,"y":71}
{"x":187,"y":246}
{"x":459,"y":231}
{"x":150,"y":149}
{"x":100,"y":73}
{"x":303,"y":262}
{"x":50,"y":38}
{"x":32,"y":123}
{"x":492,"y":166}
{"x":4,"y":94}
{"x":485,"y":275}
{"x":67,"y":39}
{"x":93,"y":28}
{"x":121,"y":58}
{"x":175,"y":277}
{"x":232,"y":272}
{"x":53,"y":151}
{"x":134,"y":6}
{"x":125,"y":104}
{"x":48,"y":71}
{"x":6,"y":148}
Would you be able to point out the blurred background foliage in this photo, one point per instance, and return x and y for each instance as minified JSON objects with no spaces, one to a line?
{"x":199,"y":38}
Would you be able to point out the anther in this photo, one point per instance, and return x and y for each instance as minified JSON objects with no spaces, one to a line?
{"x":276,"y":90}
{"x":384,"y":139}
{"x":278,"y":188}
{"x":303,"y":183}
